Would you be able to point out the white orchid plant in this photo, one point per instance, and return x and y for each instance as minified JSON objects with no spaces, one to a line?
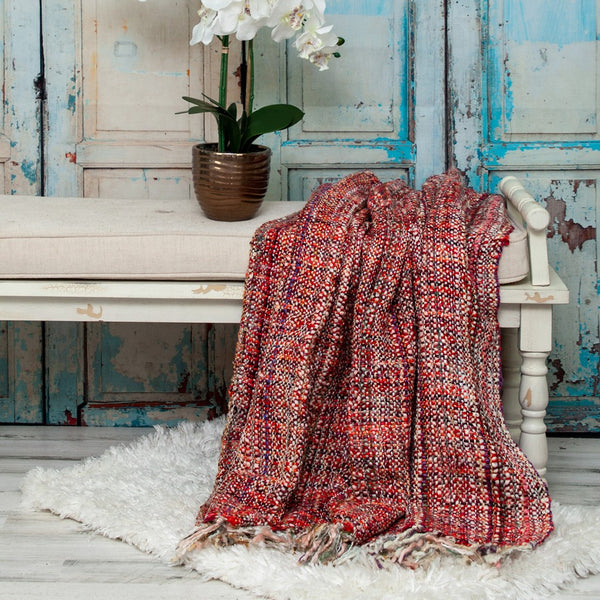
{"x":314,"y":40}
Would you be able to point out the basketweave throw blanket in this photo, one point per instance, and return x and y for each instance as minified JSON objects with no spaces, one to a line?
{"x":365,"y":401}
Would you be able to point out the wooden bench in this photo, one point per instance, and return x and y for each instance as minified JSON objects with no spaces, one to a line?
{"x":90,"y":259}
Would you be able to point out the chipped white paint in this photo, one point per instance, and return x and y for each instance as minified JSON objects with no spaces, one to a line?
{"x":537,"y":298}
{"x":90,"y":311}
{"x":208,"y":288}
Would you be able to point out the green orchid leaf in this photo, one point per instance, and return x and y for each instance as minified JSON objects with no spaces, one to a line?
{"x":192,"y":100}
{"x":198,"y":101}
{"x":240,"y":134}
{"x":274,"y":117}
{"x":201,"y":106}
{"x":232,"y":110}
{"x":194,"y":110}
{"x":233,"y":135}
{"x":213,"y":101}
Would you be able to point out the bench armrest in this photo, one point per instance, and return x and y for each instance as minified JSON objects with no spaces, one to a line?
{"x":521,"y":204}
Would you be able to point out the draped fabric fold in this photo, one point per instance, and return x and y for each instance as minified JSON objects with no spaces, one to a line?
{"x":365,"y":399}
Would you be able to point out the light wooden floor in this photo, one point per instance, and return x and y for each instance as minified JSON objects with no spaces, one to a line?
{"x":42,"y":556}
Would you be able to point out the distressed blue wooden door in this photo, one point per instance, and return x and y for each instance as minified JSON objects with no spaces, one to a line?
{"x":521,"y":79}
{"x":523,"y":84}
{"x":21,"y":344}
{"x":115,"y":74}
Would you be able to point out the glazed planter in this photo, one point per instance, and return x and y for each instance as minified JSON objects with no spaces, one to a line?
{"x":229,"y":186}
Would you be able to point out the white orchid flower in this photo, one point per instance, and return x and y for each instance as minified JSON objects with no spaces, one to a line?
{"x":204,"y":31}
{"x":248,"y":26}
{"x":320,"y":58}
{"x":315,"y":8}
{"x":286,"y":19}
{"x":224,"y":21}
{"x":315,"y":40}
{"x":261,"y":9}
{"x":315,"y":37}
{"x":228,"y":17}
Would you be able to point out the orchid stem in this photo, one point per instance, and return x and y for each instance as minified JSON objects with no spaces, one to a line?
{"x":223,"y":85}
{"x":251,"y":75}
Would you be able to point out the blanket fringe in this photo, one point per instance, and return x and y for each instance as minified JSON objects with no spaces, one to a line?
{"x":221,"y":534}
{"x":416,"y":547}
{"x":330,"y":543}
{"x":324,"y":543}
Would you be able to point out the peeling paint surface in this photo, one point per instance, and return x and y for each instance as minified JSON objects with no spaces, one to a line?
{"x":572,"y":233}
{"x":574,"y":364}
{"x":64,"y":372}
{"x":206,"y":289}
{"x":6,"y":404}
{"x":538,"y":298}
{"x":21,"y":345}
{"x":524,"y":102}
{"x":532,"y":48}
{"x":91,"y":311}
{"x":507,"y":115}
{"x":142,"y":374}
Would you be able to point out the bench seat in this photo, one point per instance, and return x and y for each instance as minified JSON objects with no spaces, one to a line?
{"x":156,"y":239}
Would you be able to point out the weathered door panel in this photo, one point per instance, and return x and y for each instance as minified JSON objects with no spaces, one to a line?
{"x":378,"y":106}
{"x":116,"y":73}
{"x":139,"y":375}
{"x":21,"y":349}
{"x":524,"y":92}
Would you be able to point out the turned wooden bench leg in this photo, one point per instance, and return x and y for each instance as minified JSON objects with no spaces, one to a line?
{"x":511,"y":379}
{"x":535,"y":342}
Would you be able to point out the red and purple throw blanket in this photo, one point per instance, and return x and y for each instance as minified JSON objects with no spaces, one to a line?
{"x":365,"y":401}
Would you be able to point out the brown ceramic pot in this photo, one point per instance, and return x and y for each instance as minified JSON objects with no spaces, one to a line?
{"x":229,"y":186}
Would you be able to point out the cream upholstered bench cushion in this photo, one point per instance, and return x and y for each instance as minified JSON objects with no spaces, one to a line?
{"x":514,"y":261}
{"x":98,"y":238}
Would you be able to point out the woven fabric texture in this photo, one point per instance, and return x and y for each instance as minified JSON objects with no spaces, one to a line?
{"x":365,"y":400}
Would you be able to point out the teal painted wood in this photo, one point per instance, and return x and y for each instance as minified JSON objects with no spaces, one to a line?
{"x":27,"y":374}
{"x":64,"y":361}
{"x":64,"y":343}
{"x":381,"y":106}
{"x":22,"y":107}
{"x":21,"y":370}
{"x":523,"y":79}
{"x":141,"y":375}
{"x":6,"y":405}
{"x":61,"y":38}
{"x":22,"y":380}
{"x":574,"y":415}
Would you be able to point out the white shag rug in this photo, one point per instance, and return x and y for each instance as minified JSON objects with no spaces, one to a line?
{"x":148,"y":492}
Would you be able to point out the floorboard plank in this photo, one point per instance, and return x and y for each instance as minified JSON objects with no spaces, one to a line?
{"x":171,"y":590}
